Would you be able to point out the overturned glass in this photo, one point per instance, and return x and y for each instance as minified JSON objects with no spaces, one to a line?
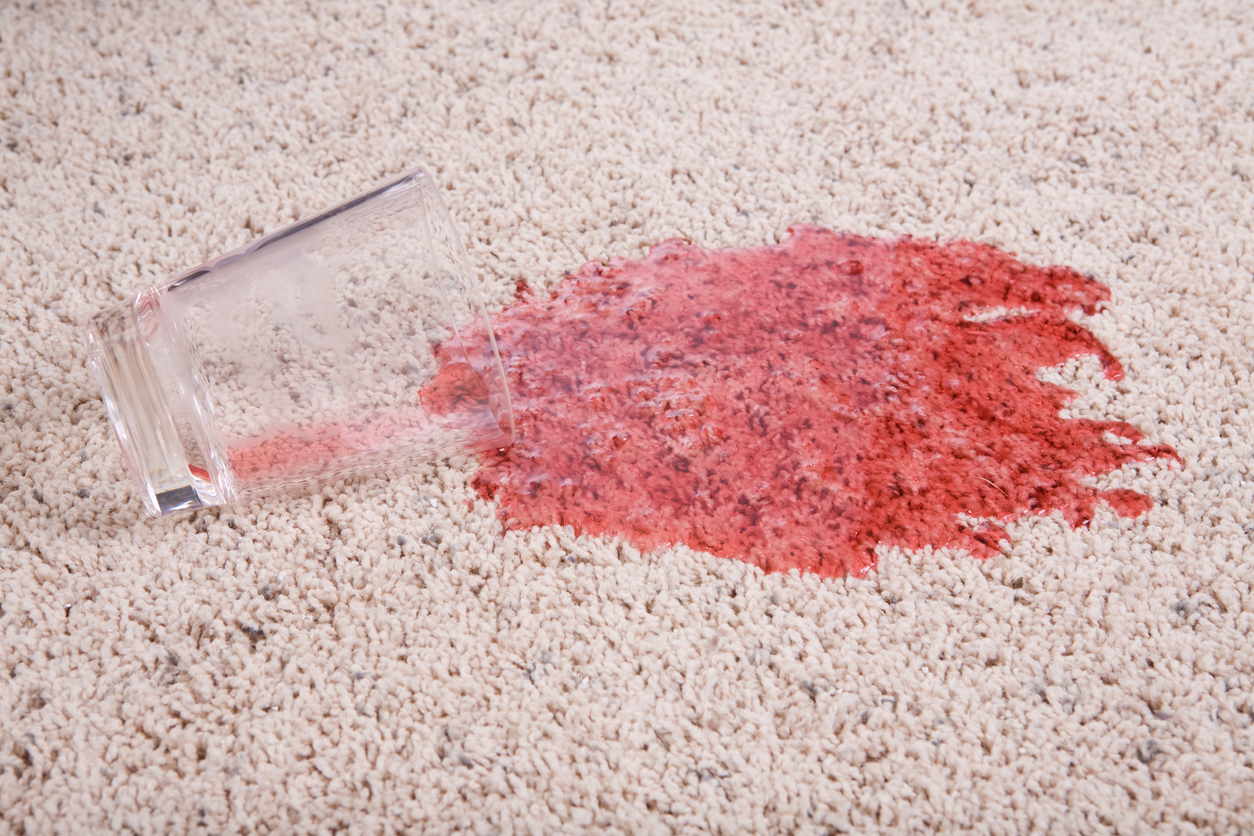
{"x":331,"y":348}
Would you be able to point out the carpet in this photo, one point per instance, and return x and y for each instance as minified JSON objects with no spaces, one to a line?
{"x":388,"y":655}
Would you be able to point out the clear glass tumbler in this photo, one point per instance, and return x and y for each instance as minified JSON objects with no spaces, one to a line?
{"x":331,"y":348}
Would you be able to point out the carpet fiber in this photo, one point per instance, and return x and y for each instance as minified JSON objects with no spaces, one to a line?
{"x":384,"y":656}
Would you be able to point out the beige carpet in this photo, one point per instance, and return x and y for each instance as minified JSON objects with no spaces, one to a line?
{"x":382,"y":657}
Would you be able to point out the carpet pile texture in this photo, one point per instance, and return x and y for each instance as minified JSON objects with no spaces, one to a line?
{"x":383,"y":656}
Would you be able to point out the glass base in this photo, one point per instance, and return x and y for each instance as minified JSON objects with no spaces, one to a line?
{"x":145,"y":403}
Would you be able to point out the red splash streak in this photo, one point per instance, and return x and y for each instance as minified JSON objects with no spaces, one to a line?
{"x":797,"y":405}
{"x":456,"y":391}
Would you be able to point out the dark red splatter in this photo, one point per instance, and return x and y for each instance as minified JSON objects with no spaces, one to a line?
{"x":797,"y":405}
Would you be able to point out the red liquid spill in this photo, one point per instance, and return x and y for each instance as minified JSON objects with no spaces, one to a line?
{"x":455,"y":386}
{"x":796,"y":406}
{"x":372,"y":439}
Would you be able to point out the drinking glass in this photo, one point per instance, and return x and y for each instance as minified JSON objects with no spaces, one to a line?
{"x":335,"y":347}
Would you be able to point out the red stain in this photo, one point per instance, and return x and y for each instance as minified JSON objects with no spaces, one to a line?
{"x":371,"y":439}
{"x":797,"y":405}
{"x":455,"y":386}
